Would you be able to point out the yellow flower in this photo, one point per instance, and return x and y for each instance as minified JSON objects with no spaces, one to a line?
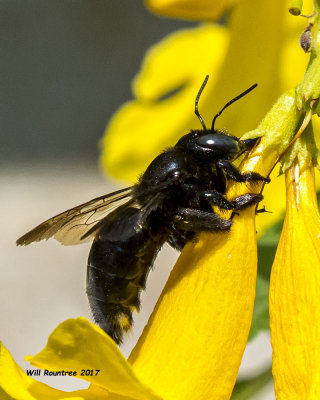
{"x":258,"y":44}
{"x":195,"y":338}
{"x":294,"y":290}
{"x":192,"y":346}
{"x":194,"y":341}
{"x":75,"y":345}
{"x":204,"y":10}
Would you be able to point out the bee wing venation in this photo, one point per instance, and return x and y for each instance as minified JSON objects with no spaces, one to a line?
{"x":71,"y":226}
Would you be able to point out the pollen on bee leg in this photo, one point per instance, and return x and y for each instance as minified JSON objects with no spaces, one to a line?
{"x":134,"y":308}
{"x":124,"y":321}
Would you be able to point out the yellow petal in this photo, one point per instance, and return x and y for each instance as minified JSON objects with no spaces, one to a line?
{"x":294,"y":293}
{"x":274,"y":202}
{"x":203,"y":10}
{"x":293,"y":60}
{"x":252,"y":57}
{"x":76,"y":345}
{"x":16,"y":385}
{"x":195,"y":338}
{"x":142,"y":128}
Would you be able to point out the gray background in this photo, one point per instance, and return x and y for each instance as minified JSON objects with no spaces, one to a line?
{"x":66,"y":66}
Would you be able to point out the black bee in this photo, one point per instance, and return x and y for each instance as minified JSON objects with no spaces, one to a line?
{"x":171,"y":203}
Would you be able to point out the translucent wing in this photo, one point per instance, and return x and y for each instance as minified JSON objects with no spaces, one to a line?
{"x":76,"y":225}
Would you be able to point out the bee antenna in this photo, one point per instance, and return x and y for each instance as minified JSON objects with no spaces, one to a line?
{"x":232,"y":101}
{"x":197,"y":101}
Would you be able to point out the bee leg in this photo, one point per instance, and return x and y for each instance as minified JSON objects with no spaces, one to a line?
{"x":233,"y":174}
{"x":178,"y":238}
{"x":263,"y":210}
{"x":189,"y":219}
{"x":246,"y":200}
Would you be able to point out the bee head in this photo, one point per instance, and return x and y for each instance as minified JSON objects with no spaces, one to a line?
{"x":216,"y":145}
{"x":212,"y":144}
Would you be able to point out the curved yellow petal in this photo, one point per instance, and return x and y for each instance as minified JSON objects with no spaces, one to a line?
{"x":194,"y":341}
{"x":195,"y":338}
{"x":76,"y":344}
{"x":16,"y":385}
{"x":203,"y":10}
{"x":294,"y":292}
{"x":142,"y":128}
{"x":14,"y":382}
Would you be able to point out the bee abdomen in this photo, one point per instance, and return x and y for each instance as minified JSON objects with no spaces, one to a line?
{"x":117,"y":273}
{"x":112,"y":300}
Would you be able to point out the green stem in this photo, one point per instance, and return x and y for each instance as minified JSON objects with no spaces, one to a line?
{"x":243,"y":390}
{"x":308,"y":92}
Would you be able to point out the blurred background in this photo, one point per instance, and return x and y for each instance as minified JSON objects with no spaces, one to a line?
{"x":66,"y":66}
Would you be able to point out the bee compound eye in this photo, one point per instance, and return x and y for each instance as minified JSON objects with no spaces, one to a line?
{"x":218,"y":142}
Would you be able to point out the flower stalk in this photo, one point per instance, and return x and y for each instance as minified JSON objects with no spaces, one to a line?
{"x":308,"y":92}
